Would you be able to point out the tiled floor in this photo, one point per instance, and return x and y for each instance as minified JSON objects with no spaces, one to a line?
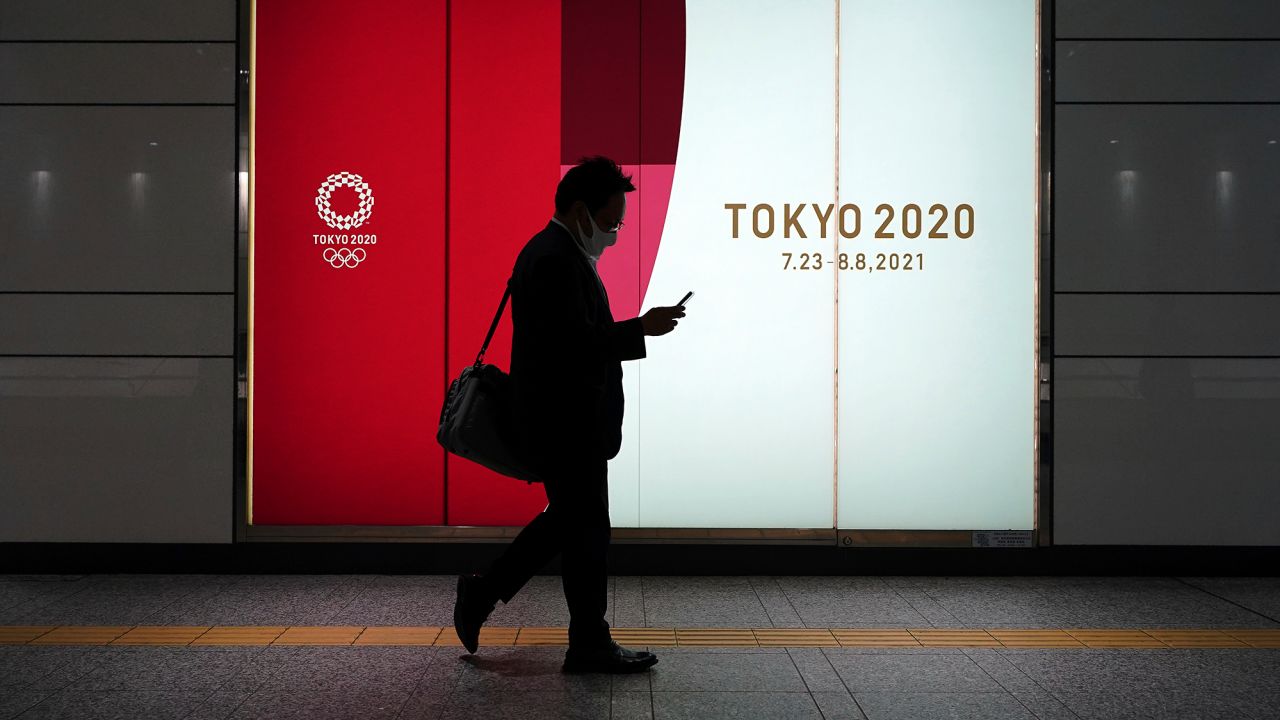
{"x":648,"y":637}
{"x":1168,"y":678}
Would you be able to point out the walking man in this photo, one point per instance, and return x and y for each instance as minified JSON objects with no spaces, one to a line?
{"x":566,"y":371}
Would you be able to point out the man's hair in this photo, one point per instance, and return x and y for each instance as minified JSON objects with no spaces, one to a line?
{"x":593,"y":180}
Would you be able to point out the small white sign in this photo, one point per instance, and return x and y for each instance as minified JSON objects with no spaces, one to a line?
{"x":1002,"y":538}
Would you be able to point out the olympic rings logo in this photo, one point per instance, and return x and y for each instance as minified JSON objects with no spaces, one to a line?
{"x":344,"y":257}
{"x":325,"y":208}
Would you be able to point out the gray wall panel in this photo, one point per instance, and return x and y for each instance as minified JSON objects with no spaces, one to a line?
{"x":1214,"y":71}
{"x":1166,"y":451}
{"x":1166,"y":210}
{"x":117,"y":73}
{"x":1167,"y":324}
{"x":142,"y":198}
{"x":115,"y":450}
{"x":1168,"y":197}
{"x":117,"y":200}
{"x":1167,"y":18}
{"x":118,"y":20}
{"x":116,"y":324}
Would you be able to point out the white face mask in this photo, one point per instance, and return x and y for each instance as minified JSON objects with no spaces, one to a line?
{"x":595,"y":243}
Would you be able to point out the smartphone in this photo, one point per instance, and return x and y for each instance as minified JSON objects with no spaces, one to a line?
{"x":685,"y":299}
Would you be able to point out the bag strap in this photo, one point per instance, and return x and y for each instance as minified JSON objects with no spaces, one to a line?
{"x":493,"y":326}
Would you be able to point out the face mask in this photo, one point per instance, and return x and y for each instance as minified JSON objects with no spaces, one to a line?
{"x":597,"y":241}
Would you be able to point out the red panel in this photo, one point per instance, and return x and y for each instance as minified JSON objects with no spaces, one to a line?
{"x":504,"y":166}
{"x":654,"y":189}
{"x":601,"y":90}
{"x":662,"y":56}
{"x":661,"y":80}
{"x":348,"y":364}
{"x":618,"y":266}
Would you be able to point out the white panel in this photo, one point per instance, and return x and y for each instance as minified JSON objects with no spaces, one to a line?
{"x":624,"y":470}
{"x":115,"y":449}
{"x":937,"y":372}
{"x":1166,"y":451}
{"x":736,"y":405}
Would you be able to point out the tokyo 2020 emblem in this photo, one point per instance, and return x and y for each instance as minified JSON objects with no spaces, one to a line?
{"x":325,"y":194}
{"x":344,"y":257}
{"x":344,"y":250}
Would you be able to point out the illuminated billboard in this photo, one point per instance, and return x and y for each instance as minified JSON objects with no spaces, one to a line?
{"x":849,"y":187}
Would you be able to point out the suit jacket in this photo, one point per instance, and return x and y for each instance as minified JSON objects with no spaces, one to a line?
{"x":566,"y":353}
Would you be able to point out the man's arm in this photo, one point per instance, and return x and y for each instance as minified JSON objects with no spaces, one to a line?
{"x":560,"y":309}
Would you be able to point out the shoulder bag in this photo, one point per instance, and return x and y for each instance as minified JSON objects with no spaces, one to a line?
{"x":476,"y":420}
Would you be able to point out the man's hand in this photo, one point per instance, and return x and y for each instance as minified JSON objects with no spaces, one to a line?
{"x":661,"y":320}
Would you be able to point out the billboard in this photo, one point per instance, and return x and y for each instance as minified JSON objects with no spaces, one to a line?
{"x":849,"y":187}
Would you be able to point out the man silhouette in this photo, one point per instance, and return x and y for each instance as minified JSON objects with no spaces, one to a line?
{"x":566,"y":372}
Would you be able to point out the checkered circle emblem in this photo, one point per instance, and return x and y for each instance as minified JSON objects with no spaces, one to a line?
{"x":325,"y":209}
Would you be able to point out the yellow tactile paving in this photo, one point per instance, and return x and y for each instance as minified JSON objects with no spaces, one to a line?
{"x":931,"y":637}
{"x":1196,"y":638}
{"x":874,"y":637}
{"x":160,"y":635}
{"x":716,"y":637}
{"x":1257,"y":638}
{"x":1034,"y":638}
{"x":1116,"y":638}
{"x":644,"y":636}
{"x":488,"y":636}
{"x":319,"y":635}
{"x":687,"y":637}
{"x":22,"y":634}
{"x":542,"y":636}
{"x":795,"y":637}
{"x":232,"y":635}
{"x":81,"y":635}
{"x":398,"y":636}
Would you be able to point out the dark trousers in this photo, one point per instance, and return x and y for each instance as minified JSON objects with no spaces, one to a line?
{"x":576,"y":526}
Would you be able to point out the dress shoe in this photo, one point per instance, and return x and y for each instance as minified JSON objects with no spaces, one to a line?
{"x":611,"y":658}
{"x":470,"y":610}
